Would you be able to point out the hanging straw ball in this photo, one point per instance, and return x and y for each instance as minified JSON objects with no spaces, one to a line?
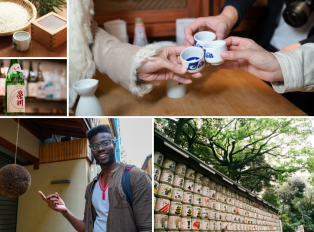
{"x":15,"y":180}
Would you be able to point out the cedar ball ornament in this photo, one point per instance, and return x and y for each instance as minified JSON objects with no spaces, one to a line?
{"x":15,"y":180}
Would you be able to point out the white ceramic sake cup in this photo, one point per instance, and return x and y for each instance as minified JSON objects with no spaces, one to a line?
{"x":193,"y":59}
{"x":21,"y":40}
{"x":212,"y":52}
{"x":175,"y":89}
{"x":203,"y":37}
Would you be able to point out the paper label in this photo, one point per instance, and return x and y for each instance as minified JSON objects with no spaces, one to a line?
{"x":15,"y":67}
{"x":32,"y":89}
{"x":16,"y":99}
{"x":41,"y":90}
{"x":2,"y":86}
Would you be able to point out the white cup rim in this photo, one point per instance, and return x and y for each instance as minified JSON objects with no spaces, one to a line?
{"x":191,"y":60}
{"x":204,"y":32}
{"x":21,"y":32}
{"x":89,"y":82}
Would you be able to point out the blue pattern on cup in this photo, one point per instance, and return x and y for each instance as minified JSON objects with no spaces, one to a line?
{"x":200,"y":64}
{"x":198,"y":45}
{"x":193,"y":66}
{"x":195,"y":42}
{"x":209,"y":55}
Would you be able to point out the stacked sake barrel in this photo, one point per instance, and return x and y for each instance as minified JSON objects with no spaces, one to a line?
{"x":185,"y":200}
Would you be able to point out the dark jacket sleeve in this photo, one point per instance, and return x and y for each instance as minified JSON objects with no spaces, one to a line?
{"x":141,"y":184}
{"x":242,"y":6}
{"x":308,"y":40}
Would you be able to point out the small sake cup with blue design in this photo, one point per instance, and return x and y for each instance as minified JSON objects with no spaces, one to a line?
{"x":212,"y":51}
{"x":193,"y":59}
{"x":203,"y":37}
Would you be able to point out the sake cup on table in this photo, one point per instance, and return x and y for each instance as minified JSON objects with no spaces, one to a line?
{"x":203,"y":37}
{"x":193,"y":59}
{"x":175,"y":89}
{"x":212,"y":51}
{"x":21,"y":40}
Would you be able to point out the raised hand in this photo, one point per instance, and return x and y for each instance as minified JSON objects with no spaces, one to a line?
{"x":252,"y":58}
{"x":220,"y":24}
{"x":54,"y":202}
{"x":165,"y":66}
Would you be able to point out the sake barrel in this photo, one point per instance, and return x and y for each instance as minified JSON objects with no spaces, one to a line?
{"x":164,"y":191}
{"x":198,"y":177}
{"x":180,"y":169}
{"x":178,"y":181}
{"x":187,"y":197}
{"x":174,"y":222}
{"x":162,"y":206}
{"x":175,"y":208}
{"x":157,"y":172}
{"x":169,"y":164}
{"x":160,"y":221}
{"x":166,"y":177}
{"x":177,"y":194}
{"x":190,"y":174}
{"x":158,"y":158}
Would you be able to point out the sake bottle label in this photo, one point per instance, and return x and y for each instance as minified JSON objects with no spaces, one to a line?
{"x":16,"y":98}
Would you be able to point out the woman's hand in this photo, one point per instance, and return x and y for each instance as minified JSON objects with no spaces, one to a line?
{"x":252,"y":58}
{"x":165,"y":66}
{"x":221,"y":25}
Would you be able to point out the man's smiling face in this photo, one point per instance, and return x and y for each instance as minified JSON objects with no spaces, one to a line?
{"x":104,"y":155}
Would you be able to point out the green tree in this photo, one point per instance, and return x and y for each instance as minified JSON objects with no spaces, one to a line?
{"x":250,"y":151}
{"x":271,"y":196}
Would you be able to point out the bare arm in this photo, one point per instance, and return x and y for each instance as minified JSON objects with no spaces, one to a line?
{"x":56,"y":203}
{"x":79,"y":225}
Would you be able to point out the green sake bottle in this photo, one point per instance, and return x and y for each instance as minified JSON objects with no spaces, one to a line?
{"x":14,"y":90}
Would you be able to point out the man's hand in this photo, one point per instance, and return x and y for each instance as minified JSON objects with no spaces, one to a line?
{"x":220,"y":24}
{"x":252,"y":58}
{"x":291,"y":47}
{"x":165,"y":66}
{"x":55,"y":202}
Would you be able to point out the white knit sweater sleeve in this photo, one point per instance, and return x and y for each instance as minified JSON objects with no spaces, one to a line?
{"x":297,"y":69}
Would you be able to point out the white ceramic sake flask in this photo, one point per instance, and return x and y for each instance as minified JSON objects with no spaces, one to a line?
{"x":88,"y":104}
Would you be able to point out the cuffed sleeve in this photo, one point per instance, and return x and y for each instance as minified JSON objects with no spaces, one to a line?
{"x":307,"y":40}
{"x":120,"y":61}
{"x":297,"y":69}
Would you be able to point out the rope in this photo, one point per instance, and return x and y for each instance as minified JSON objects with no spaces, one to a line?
{"x":17,"y":138}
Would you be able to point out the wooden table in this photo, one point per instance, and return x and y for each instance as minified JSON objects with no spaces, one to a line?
{"x":35,"y":50}
{"x":216,"y":93}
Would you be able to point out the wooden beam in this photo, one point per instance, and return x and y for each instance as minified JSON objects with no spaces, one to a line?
{"x":30,"y":127}
{"x":11,"y":147}
{"x":82,"y":123}
{"x":66,"y":123}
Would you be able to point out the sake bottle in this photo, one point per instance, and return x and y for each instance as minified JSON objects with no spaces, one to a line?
{"x":40,"y":83}
{"x":31,"y":82}
{"x":2,"y":79}
{"x":14,"y":90}
{"x":140,"y":35}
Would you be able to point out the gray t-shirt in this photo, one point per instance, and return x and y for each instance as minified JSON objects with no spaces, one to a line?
{"x":102,"y":208}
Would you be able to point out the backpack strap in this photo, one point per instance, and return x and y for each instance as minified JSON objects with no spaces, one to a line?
{"x":126,"y":184}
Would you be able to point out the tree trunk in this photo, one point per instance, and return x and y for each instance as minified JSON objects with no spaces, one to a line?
{"x":177,"y":136}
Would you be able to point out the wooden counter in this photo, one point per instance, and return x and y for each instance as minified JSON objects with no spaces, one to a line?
{"x":35,"y":50}
{"x":216,"y":93}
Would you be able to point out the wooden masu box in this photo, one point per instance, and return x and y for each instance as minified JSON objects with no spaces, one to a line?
{"x":50,"y":30}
